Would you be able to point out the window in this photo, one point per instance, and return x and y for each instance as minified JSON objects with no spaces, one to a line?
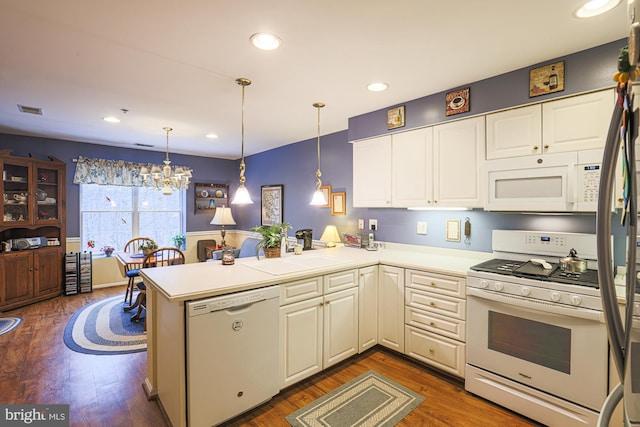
{"x":112,"y":215}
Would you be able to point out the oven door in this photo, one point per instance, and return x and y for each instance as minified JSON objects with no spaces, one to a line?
{"x":559,"y":350}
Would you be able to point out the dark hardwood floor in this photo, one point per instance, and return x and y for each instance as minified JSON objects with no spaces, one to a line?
{"x":36,"y":367}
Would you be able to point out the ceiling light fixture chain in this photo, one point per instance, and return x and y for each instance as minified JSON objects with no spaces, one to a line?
{"x":318,"y":196}
{"x":242,"y":194}
{"x":167,"y":179}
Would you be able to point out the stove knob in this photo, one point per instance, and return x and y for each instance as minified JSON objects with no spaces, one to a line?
{"x":576,"y":300}
{"x":555,"y":296}
{"x":526,"y":291}
{"x":484,"y":284}
{"x":499,"y":286}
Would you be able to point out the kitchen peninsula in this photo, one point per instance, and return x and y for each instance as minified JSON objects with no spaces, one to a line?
{"x":312,"y":277}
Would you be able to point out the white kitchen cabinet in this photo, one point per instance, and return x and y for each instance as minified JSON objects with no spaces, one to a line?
{"x":372,"y":172}
{"x":340,"y":326}
{"x":578,"y":122}
{"x":514,"y":133}
{"x":318,"y":324}
{"x":435,"y":313}
{"x":391,"y":307}
{"x":411,"y":171}
{"x":301,"y":339}
{"x":458,"y":163}
{"x":570,"y":124}
{"x":367,"y":307}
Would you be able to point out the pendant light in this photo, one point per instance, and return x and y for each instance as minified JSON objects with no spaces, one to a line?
{"x":318,"y":196}
{"x":242,"y":194}
{"x":166,"y":178}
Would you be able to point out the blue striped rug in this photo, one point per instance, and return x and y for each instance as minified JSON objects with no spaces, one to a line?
{"x":8,"y":324}
{"x":104,"y":328}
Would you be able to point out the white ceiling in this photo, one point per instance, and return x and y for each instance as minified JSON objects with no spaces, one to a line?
{"x":174,"y":63}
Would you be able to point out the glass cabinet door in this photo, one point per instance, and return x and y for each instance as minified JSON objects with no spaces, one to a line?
{"x":46,"y":195}
{"x":15,"y":191}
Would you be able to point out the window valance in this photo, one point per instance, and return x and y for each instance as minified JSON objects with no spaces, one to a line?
{"x":110,"y":172}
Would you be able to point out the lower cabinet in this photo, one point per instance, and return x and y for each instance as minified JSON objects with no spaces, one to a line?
{"x":317,"y":328}
{"x":435,"y":320}
{"x":391,"y":307}
{"x":29,"y":276}
{"x":367,"y":307}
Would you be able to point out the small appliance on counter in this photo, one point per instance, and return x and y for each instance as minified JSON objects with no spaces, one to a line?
{"x":305,"y":238}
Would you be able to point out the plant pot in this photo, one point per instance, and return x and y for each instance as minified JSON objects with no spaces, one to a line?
{"x":146,"y":252}
{"x":271,"y":252}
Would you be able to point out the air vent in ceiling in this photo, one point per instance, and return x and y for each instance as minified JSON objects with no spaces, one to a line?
{"x":142,"y":145}
{"x":30,"y":110}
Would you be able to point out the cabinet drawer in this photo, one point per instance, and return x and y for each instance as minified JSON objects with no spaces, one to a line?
{"x":436,"y":303}
{"x":446,"y":285}
{"x":300,"y":290}
{"x":340,"y":280}
{"x":440,"y":352}
{"x":451,"y":328}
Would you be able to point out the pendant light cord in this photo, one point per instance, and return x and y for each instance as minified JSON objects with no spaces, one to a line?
{"x":318,"y":105}
{"x":242,"y":82}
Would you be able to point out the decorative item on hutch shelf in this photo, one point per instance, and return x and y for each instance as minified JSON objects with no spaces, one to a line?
{"x":319,"y":198}
{"x":210,"y":196}
{"x":242,"y":194}
{"x":167,"y":178}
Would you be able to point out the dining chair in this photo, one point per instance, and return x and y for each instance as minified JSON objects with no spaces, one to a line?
{"x":133,"y":246}
{"x":158,"y":258}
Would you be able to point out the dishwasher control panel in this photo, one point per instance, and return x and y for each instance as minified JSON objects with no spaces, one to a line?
{"x":224,"y":302}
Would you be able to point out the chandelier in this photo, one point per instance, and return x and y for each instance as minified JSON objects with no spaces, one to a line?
{"x":167,"y":178}
{"x":318,"y":196}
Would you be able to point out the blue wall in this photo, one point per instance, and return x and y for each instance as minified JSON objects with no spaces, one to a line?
{"x":294,"y":166}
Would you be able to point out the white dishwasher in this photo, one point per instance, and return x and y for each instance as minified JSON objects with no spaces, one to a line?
{"x":232,"y":354}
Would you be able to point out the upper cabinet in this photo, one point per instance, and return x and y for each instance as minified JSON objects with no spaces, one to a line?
{"x":458,"y":166}
{"x":437,"y":166}
{"x":372,"y":172}
{"x":569,"y":124}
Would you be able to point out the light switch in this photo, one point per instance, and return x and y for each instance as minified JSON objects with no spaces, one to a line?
{"x":421,"y":227}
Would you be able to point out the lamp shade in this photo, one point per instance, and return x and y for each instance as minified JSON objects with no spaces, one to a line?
{"x":318,"y":199}
{"x":330,"y":235}
{"x":242,"y":197}
{"x":223,"y":217}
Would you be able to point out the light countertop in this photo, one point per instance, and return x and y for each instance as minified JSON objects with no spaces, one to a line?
{"x":207,"y":279}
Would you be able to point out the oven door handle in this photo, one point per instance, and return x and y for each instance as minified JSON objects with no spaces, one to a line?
{"x":537,"y":305}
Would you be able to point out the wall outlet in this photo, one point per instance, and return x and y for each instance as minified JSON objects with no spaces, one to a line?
{"x":361,"y":224}
{"x":421,"y":227}
{"x":373,"y":224}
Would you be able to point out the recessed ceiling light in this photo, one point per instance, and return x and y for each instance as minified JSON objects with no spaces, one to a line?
{"x":30,"y":110}
{"x":211,"y":136}
{"x":377,"y":87}
{"x":593,"y":8}
{"x":111,"y":119}
{"x":265,"y":41}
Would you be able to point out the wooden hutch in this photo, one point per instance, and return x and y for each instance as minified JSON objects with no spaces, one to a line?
{"x":33,"y":205}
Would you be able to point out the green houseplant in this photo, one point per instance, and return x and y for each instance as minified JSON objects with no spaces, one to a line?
{"x":148,"y":247}
{"x":179,"y":240}
{"x":271,"y":238}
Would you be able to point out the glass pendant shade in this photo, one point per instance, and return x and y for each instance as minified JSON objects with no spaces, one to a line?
{"x":318,"y":199}
{"x":241,"y":197}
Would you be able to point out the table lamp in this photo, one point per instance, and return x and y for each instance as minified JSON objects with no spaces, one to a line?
{"x":330,"y":235}
{"x":223,"y":217}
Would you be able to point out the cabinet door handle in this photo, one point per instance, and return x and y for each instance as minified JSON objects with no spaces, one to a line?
{"x":30,"y":268}
{"x":434,"y":284}
{"x":546,"y":147}
{"x":431,"y":350}
{"x":432,"y":324}
{"x":432,"y":304}
{"x":536,"y":148}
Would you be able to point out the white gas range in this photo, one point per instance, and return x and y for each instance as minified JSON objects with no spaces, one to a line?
{"x":537,"y":342}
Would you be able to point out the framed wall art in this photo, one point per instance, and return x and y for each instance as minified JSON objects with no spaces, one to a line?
{"x":272,"y":204}
{"x":395,"y":117}
{"x":457,"y":101}
{"x":547,"y":79}
{"x":339,"y":203}
{"x":326,"y":190}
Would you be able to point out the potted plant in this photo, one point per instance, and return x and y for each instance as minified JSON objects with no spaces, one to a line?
{"x":108,"y":250}
{"x":271,"y":238}
{"x":179,"y":241}
{"x":148,"y":247}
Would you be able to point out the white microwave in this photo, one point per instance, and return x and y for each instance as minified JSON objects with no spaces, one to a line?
{"x":561,"y":182}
